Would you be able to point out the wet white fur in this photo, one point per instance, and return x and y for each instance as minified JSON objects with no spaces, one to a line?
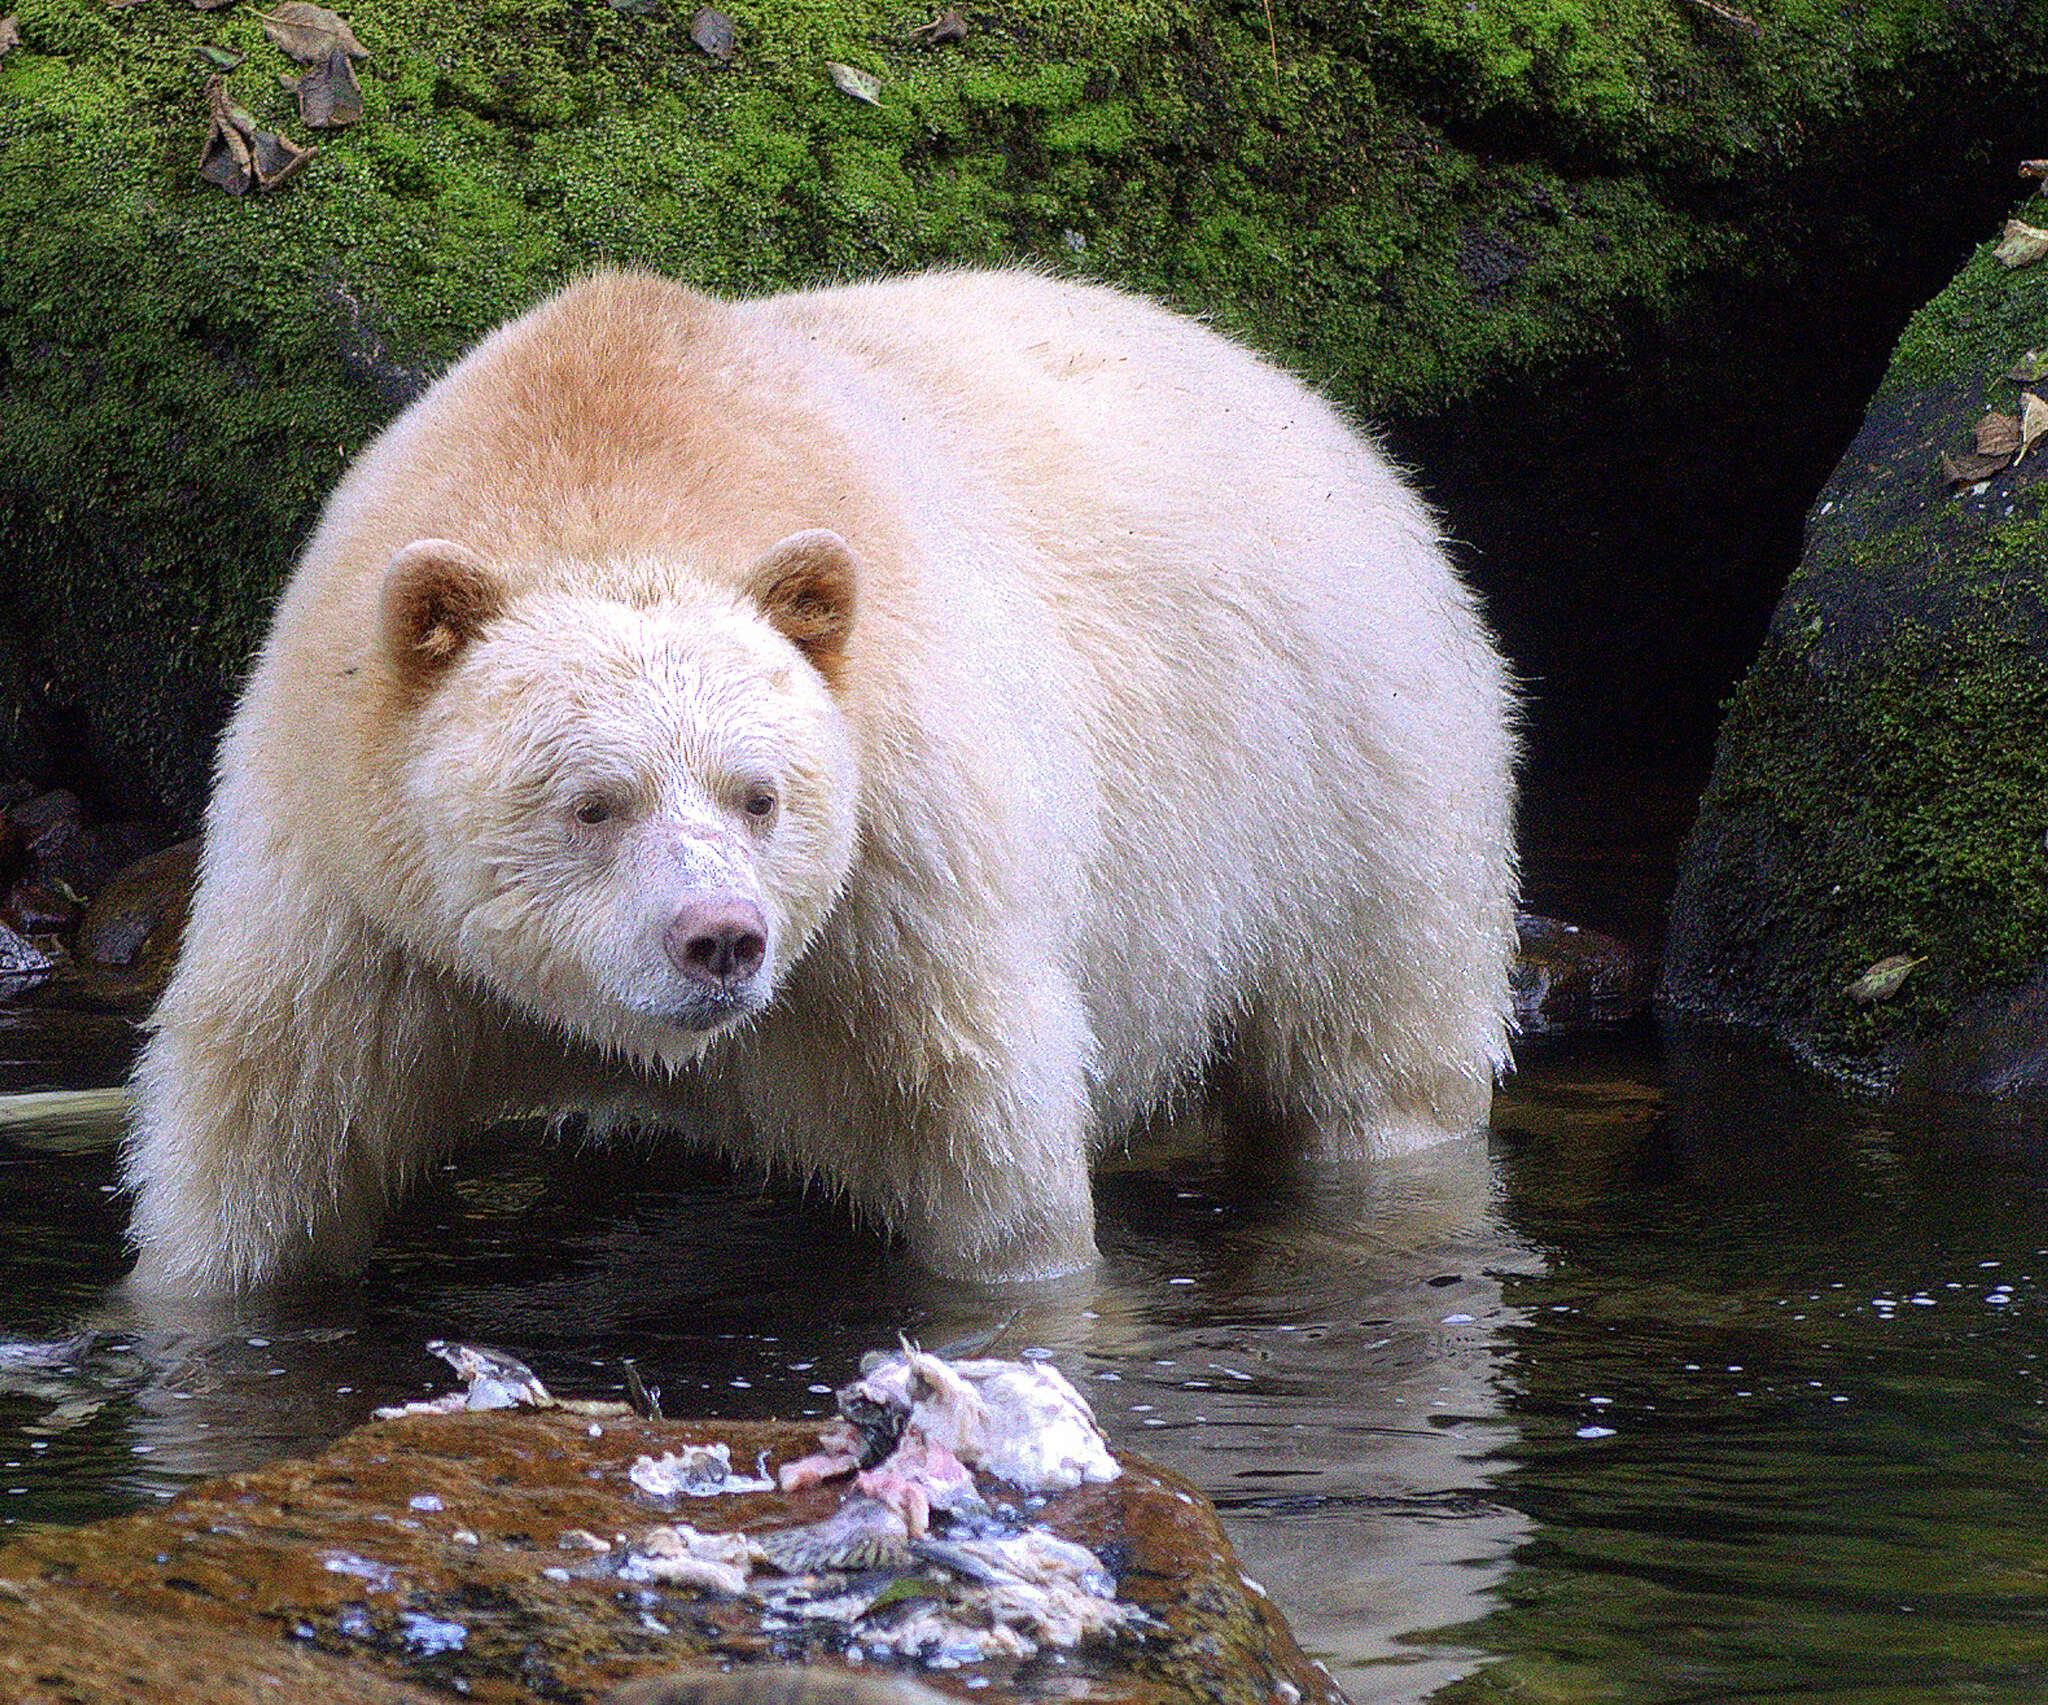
{"x":1165,"y":729}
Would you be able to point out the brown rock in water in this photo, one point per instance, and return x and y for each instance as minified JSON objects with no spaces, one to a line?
{"x":1566,"y":978}
{"x":135,"y":922}
{"x":480,"y":1552}
{"x":774,"y":1684}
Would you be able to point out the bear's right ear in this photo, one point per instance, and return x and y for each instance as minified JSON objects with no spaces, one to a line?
{"x":437,"y":597}
{"x":805,"y":587}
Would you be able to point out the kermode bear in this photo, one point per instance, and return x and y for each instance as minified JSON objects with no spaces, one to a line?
{"x":901,"y":733}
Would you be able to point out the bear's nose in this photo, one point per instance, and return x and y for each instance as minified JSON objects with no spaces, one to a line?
{"x":717,"y":942}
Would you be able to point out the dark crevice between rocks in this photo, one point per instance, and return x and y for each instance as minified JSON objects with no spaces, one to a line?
{"x":1631,"y":524}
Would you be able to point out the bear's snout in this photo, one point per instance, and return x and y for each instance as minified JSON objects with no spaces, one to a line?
{"x":718,"y":942}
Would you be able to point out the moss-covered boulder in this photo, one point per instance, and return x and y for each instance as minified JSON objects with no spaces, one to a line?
{"x":1437,"y":210}
{"x":1880,"y":790}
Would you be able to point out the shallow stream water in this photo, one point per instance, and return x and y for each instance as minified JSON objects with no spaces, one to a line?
{"x":1695,"y":1382}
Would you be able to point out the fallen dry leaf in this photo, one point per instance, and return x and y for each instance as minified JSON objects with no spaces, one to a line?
{"x":947,"y":26}
{"x":277,"y":157}
{"x":224,"y":155}
{"x":236,"y":154}
{"x":309,"y":33}
{"x":2030,"y":367}
{"x":2022,"y":244}
{"x":1730,"y":16}
{"x":861,"y":85}
{"x":1883,"y":979}
{"x":1969,"y":470}
{"x":329,"y":95}
{"x":220,"y":58}
{"x":2033,"y":422}
{"x":1998,"y":435}
{"x":10,"y":35}
{"x":713,"y":31}
{"x":210,"y":5}
{"x":2034,"y":168}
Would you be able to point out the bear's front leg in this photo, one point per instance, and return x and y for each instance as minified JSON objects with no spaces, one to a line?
{"x":298,"y":1074}
{"x":950,"y":1104}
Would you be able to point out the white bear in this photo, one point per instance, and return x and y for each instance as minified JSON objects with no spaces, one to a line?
{"x":902,"y":733}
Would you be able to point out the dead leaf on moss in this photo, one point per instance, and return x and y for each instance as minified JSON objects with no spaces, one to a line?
{"x":1971,"y":469}
{"x":2033,"y":423}
{"x":946,"y":27}
{"x":861,"y":85}
{"x":2034,"y":168}
{"x":636,"y":8}
{"x":277,"y":157}
{"x":1999,"y":435}
{"x":713,"y":31}
{"x":210,"y":5}
{"x":10,"y":35}
{"x":1883,"y":980}
{"x":2029,"y":369}
{"x":309,"y":33}
{"x":1729,"y":15}
{"x":237,"y":155}
{"x":2022,"y":244}
{"x":329,"y":95}
{"x":224,"y":155}
{"x":220,"y":58}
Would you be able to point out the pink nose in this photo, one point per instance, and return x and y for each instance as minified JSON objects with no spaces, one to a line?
{"x":717,"y":942}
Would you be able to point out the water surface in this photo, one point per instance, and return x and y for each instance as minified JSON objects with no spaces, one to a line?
{"x":1695,"y":1382}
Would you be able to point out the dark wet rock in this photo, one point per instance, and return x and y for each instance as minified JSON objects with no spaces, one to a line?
{"x":55,"y":859}
{"x":1997,"y":1047}
{"x":1566,"y":978}
{"x":482,"y":1553}
{"x":84,"y":863}
{"x":35,"y":908}
{"x":44,"y":823}
{"x":1880,"y":786}
{"x":137,"y":919}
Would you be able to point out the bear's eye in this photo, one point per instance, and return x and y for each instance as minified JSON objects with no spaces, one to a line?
{"x":760,"y":804}
{"x":591,"y":812}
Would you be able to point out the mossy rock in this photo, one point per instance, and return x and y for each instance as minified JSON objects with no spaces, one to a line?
{"x":1411,"y":204}
{"x":1880,"y":787}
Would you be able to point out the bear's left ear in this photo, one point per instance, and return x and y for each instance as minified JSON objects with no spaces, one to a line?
{"x":805,"y":587}
{"x":437,"y":597}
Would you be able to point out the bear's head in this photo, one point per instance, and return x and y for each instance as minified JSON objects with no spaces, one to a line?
{"x":630,"y":795}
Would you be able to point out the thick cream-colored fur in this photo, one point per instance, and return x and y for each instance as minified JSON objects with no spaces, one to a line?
{"x":1163,"y":731}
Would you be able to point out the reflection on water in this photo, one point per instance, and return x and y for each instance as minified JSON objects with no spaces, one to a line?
{"x":1701,"y":1384}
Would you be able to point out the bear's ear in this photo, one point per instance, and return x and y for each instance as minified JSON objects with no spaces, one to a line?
{"x":805,"y":587}
{"x":437,"y":598}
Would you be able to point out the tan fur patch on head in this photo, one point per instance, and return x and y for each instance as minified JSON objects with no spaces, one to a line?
{"x":437,"y":598}
{"x":806,"y":587}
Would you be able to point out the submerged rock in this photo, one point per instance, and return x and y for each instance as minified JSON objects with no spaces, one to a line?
{"x":513,"y":1555}
{"x":1880,"y":787}
{"x":1565,"y":978}
{"x":136,"y":921}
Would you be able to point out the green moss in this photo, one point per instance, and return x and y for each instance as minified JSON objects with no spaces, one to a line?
{"x":1978,"y":327}
{"x":1891,"y":801}
{"x":1410,"y":204}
